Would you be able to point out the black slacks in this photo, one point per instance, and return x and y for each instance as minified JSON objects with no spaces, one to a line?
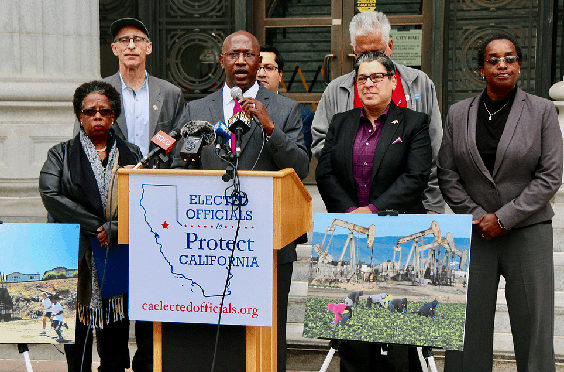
{"x":112,"y":348}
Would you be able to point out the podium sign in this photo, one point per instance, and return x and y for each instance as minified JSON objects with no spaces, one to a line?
{"x":186,"y":203}
{"x":181,"y":236}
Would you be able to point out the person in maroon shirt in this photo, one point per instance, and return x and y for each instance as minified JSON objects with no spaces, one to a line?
{"x":375,"y":158}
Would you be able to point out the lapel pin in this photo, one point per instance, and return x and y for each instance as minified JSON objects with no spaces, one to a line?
{"x":155,"y":107}
{"x":394,"y":122}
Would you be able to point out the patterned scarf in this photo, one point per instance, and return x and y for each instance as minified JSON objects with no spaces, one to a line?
{"x":92,"y":315}
{"x":103,"y":175}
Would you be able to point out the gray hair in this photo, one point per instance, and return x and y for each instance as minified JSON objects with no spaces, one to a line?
{"x":376,"y":56}
{"x":368,"y":22}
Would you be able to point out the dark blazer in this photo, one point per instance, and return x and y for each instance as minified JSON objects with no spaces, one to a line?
{"x":527,"y":170}
{"x":166,"y":104}
{"x":284,"y":149}
{"x":402,"y":162}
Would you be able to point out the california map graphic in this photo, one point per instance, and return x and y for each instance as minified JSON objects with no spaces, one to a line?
{"x":192,"y":264}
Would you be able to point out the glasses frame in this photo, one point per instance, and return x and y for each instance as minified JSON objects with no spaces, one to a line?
{"x":375,"y":81}
{"x":126,"y":40}
{"x":105,"y":112}
{"x":268,"y":68}
{"x":490,"y":61}
{"x":234,"y":56}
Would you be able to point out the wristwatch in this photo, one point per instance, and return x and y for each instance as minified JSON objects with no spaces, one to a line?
{"x":500,"y":224}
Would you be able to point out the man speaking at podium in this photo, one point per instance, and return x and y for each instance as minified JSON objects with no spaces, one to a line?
{"x":274,"y":141}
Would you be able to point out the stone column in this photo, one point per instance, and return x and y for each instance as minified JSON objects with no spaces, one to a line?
{"x":49,"y":47}
{"x":556,"y":92}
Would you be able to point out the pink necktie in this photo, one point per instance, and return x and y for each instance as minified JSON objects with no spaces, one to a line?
{"x":236,"y":110}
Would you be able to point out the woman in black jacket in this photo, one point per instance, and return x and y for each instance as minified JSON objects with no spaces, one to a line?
{"x":78,"y":185}
{"x":376,"y":158}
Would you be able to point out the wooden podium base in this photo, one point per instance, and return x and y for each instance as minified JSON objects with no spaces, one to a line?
{"x":250,"y":349}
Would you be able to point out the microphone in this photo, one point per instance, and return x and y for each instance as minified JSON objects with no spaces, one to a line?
{"x":196,"y":133}
{"x":165,"y":143}
{"x":239,"y":124}
{"x":222,"y":134}
{"x":237,"y":94}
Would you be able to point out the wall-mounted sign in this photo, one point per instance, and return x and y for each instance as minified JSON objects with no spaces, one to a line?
{"x":407,"y":47}
{"x":366,"y":5}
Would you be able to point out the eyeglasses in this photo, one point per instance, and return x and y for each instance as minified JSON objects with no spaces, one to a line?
{"x":125,"y":40}
{"x":92,"y":112}
{"x":376,"y":77}
{"x":235,"y":56}
{"x":507,"y":59}
{"x":268,"y":68}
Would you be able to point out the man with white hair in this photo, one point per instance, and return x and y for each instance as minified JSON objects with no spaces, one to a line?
{"x":370,"y":32}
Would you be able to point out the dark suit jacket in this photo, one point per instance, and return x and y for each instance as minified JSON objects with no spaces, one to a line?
{"x":307,"y":119}
{"x":400,"y":170}
{"x":166,"y":103}
{"x":528,"y":165}
{"x":284,"y":149}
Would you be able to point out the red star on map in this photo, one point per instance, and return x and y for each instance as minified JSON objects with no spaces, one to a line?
{"x":164,"y":225}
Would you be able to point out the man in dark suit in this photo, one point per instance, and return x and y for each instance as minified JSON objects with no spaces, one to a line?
{"x":275,"y":142}
{"x":270,"y":75}
{"x":149,"y":103}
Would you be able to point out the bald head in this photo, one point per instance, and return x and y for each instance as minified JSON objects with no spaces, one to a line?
{"x":237,"y":35}
{"x":240,"y":59}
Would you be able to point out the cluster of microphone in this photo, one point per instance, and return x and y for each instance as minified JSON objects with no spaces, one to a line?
{"x":199,"y":133}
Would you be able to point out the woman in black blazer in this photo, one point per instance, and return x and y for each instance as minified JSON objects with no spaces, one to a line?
{"x":375,"y":158}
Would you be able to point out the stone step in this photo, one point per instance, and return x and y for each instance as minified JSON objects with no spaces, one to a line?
{"x":308,"y":355}
{"x":304,"y":355}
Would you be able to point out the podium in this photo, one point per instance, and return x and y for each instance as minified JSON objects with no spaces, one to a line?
{"x":291,"y":218}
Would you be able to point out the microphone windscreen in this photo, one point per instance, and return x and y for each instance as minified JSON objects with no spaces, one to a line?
{"x":199,"y":128}
{"x":236,"y":93}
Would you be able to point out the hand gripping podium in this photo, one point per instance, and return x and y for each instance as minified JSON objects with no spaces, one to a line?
{"x":179,"y":225}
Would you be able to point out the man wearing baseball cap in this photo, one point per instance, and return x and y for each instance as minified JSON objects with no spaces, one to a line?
{"x":149,"y":104}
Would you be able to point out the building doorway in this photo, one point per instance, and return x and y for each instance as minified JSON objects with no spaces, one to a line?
{"x":313,"y":37}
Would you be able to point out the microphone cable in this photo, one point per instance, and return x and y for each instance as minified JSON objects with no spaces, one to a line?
{"x":261,"y":147}
{"x":238,"y":199}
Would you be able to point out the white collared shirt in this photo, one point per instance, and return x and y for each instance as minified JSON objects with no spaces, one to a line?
{"x":136,"y":111}
{"x":229,"y":103}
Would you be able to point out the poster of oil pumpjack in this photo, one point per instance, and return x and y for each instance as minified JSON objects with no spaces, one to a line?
{"x":371,"y":274}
